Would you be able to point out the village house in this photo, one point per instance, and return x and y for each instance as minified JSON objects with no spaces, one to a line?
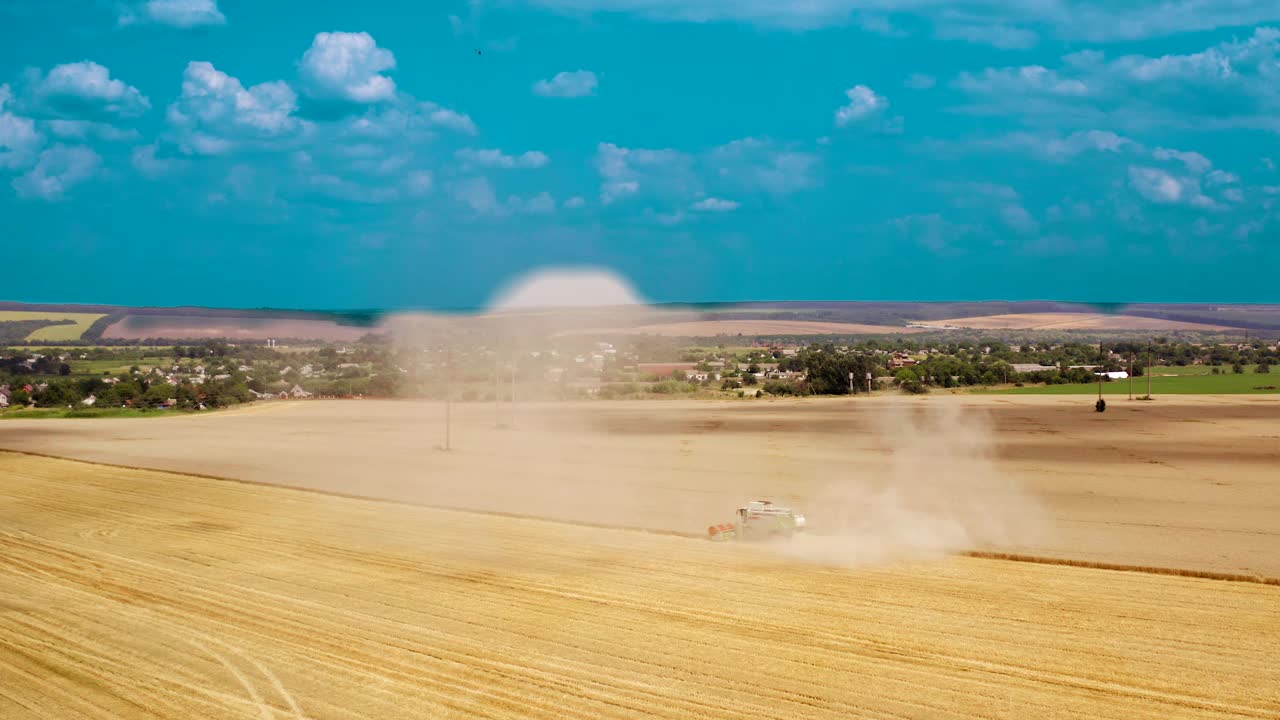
{"x":298,"y":393}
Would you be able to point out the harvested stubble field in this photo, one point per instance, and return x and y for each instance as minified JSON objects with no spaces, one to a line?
{"x":1184,"y":482}
{"x":1073,"y":321}
{"x":748,"y":328}
{"x":142,"y":594}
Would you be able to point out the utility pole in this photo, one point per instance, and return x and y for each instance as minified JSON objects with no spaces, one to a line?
{"x":448,"y":394}
{"x":497,"y":402}
{"x":1130,"y":374}
{"x":514,"y":359}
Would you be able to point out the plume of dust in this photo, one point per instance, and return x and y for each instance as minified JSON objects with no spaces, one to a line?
{"x":547,"y":309}
{"x":938,"y":491}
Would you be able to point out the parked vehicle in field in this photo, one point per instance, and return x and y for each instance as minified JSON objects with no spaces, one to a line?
{"x":759,"y":520}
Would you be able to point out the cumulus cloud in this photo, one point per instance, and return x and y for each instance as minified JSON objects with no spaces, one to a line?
{"x":1164,"y":188}
{"x":863,"y":103}
{"x":58,"y":169}
{"x":178,"y":13}
{"x":544,"y":203}
{"x":712,"y":204}
{"x":1020,"y":80}
{"x":574,"y":202}
{"x":347,"y":66}
{"x":625,"y":170}
{"x":88,"y":129}
{"x":215,"y":113}
{"x":1194,"y":161}
{"x":497,"y":159}
{"x":567,"y":85}
{"x":762,"y":165}
{"x":19,"y":140}
{"x":1093,"y":20}
{"x":477,"y":195}
{"x":146,"y":161}
{"x":1231,"y":85}
{"x":408,"y":122}
{"x":87,"y":88}
{"x":1005,"y":37}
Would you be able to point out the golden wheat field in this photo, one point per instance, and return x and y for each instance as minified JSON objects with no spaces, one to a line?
{"x":143,"y":594}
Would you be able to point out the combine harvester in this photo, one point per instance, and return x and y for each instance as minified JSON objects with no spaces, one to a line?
{"x":759,"y":520}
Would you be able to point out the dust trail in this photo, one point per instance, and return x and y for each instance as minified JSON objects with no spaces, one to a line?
{"x":941,"y":492}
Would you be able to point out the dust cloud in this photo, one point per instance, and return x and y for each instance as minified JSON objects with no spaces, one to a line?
{"x":939,"y":492}
{"x":922,"y":480}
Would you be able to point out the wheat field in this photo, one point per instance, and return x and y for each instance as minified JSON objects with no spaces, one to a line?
{"x":144,"y":594}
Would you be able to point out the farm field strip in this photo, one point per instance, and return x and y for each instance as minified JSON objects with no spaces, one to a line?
{"x":55,"y":332}
{"x":147,"y":594}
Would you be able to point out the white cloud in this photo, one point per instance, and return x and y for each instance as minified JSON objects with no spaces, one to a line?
{"x":1020,"y":80}
{"x":215,"y":113}
{"x":1093,"y":20}
{"x":863,"y":103}
{"x":1194,"y":161}
{"x":1004,"y":37}
{"x":920,"y":81}
{"x":712,"y":204}
{"x":1221,"y":177}
{"x":1231,"y":85}
{"x":19,"y":140}
{"x":626,"y":170}
{"x":1164,"y":188}
{"x":420,"y":182}
{"x":1017,"y":217}
{"x":80,"y":87}
{"x":497,"y":159}
{"x":85,"y":129}
{"x":541,"y":204}
{"x":754,"y":164}
{"x":347,"y":66}
{"x":409,"y":122}
{"x":574,"y":202}
{"x":59,"y":169}
{"x":450,"y":119}
{"x":618,"y":189}
{"x":178,"y":13}
{"x":568,"y":85}
{"x":477,"y":195}
{"x":146,"y":162}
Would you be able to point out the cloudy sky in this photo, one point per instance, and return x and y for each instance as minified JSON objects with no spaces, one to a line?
{"x":327,"y":154}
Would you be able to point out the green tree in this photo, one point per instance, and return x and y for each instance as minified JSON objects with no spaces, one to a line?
{"x":64,"y":369}
{"x":1263,"y":368}
{"x":1237,"y":368}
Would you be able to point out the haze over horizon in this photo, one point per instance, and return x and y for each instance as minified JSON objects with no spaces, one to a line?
{"x":229,"y":154}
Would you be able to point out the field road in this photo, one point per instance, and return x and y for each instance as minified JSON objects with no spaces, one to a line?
{"x":142,"y":594}
{"x":1190,"y":482}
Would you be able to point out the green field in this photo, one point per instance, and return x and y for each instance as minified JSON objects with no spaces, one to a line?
{"x":1190,"y":380}
{"x":86,"y":412}
{"x":53,"y":333}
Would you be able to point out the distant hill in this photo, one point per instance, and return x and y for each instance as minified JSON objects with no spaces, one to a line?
{"x":114,"y":324}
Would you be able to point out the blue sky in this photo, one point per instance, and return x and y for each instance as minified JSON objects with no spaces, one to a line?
{"x":364,"y":155}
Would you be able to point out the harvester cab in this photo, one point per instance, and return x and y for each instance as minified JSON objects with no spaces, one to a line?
{"x":760,"y":520}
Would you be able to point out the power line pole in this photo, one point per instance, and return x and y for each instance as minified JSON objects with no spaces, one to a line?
{"x":1131,"y":374}
{"x":448,"y":395}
